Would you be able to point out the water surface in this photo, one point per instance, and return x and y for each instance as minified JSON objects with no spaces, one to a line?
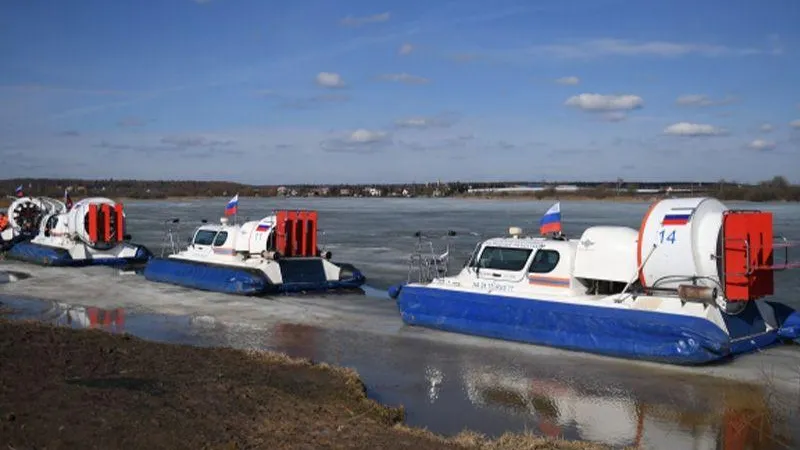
{"x":446,"y":381}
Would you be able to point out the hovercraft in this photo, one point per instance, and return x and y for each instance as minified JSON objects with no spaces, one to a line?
{"x":92,"y":232}
{"x":23,"y":218}
{"x":688,"y":287}
{"x":277,"y":254}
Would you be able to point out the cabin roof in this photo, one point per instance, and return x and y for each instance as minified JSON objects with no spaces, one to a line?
{"x":269,"y":220}
{"x":522,"y":242}
{"x":530,"y":242}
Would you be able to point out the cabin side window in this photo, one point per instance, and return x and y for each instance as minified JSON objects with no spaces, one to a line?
{"x":222,"y":236}
{"x":499,"y":258}
{"x":544,"y":261}
{"x":52,"y":222}
{"x":204,"y":237}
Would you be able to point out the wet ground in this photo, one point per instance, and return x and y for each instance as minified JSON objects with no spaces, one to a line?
{"x":451,"y":386}
{"x":65,"y":388}
{"x":446,"y":382}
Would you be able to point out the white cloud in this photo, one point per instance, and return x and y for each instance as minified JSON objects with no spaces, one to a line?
{"x":693,"y":129}
{"x":423,"y":122}
{"x":358,"y":141}
{"x":595,"y":48}
{"x":767,"y":128}
{"x":404,"y":78}
{"x":795,"y":123}
{"x":599,"y":102}
{"x":568,"y":80}
{"x":703,"y":100}
{"x":759,"y":144}
{"x":351,"y":21}
{"x":405,"y":49}
{"x":330,"y":80}
{"x":362,"y":136}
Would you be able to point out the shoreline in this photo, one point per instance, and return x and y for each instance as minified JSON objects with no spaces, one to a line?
{"x":120,"y":391}
{"x":5,"y":203}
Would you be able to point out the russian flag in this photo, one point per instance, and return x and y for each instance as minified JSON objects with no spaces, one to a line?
{"x":19,"y":192}
{"x":676,"y":219}
{"x":233,"y":206}
{"x":551,"y":221}
{"x":262,"y":227}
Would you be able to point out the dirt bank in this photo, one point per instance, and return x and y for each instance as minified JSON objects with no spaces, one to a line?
{"x":62,"y":388}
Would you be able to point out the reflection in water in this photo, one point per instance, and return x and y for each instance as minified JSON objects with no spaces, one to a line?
{"x":112,"y":320}
{"x":446,"y":387}
{"x":435,"y":377}
{"x":740,"y":417}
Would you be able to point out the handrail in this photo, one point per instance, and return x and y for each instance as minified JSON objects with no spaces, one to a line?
{"x":638,"y":271}
{"x":784,"y":244}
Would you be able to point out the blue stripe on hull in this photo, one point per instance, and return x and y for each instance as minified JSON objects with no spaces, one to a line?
{"x":235,"y":280}
{"x":50,"y":256}
{"x":206,"y":277}
{"x":624,"y":333}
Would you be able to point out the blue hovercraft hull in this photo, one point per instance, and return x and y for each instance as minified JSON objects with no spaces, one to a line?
{"x":642,"y":335}
{"x":50,"y":256}
{"x":245,"y":281}
{"x":7,"y":245}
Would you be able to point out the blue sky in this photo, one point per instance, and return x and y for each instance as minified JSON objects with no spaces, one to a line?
{"x":327,"y":91}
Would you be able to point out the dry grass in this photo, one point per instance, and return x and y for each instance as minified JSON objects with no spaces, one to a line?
{"x":118,"y":391}
{"x":509,"y":441}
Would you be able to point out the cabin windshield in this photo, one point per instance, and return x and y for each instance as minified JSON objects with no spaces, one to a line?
{"x":500,"y":258}
{"x":204,"y":237}
{"x":222,"y":236}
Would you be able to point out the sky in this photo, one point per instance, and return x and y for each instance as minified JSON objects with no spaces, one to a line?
{"x":365,"y":91}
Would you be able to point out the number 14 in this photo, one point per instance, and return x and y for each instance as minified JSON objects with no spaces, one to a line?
{"x":669,"y":238}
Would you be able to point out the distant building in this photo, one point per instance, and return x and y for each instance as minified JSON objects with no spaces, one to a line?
{"x":567,"y":188}
{"x":515,"y":189}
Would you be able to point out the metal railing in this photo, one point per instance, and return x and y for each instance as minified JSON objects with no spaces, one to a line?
{"x":426,"y":262}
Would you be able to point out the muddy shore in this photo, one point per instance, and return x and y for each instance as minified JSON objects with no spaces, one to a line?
{"x":63,"y":388}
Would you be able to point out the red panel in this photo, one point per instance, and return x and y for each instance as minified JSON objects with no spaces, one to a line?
{"x":311,"y":234}
{"x":299,"y":230}
{"x":291,"y":218}
{"x":120,"y":222}
{"x":280,"y":232}
{"x":106,"y":222}
{"x":92,"y":216}
{"x":297,"y":234}
{"x":92,"y":315}
{"x":119,"y":320}
{"x":747,"y":255}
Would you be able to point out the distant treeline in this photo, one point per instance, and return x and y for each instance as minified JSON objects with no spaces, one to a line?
{"x":776,"y":189}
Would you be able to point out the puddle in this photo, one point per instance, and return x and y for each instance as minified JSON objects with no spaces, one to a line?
{"x":10,"y":276}
{"x":447,"y":387}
